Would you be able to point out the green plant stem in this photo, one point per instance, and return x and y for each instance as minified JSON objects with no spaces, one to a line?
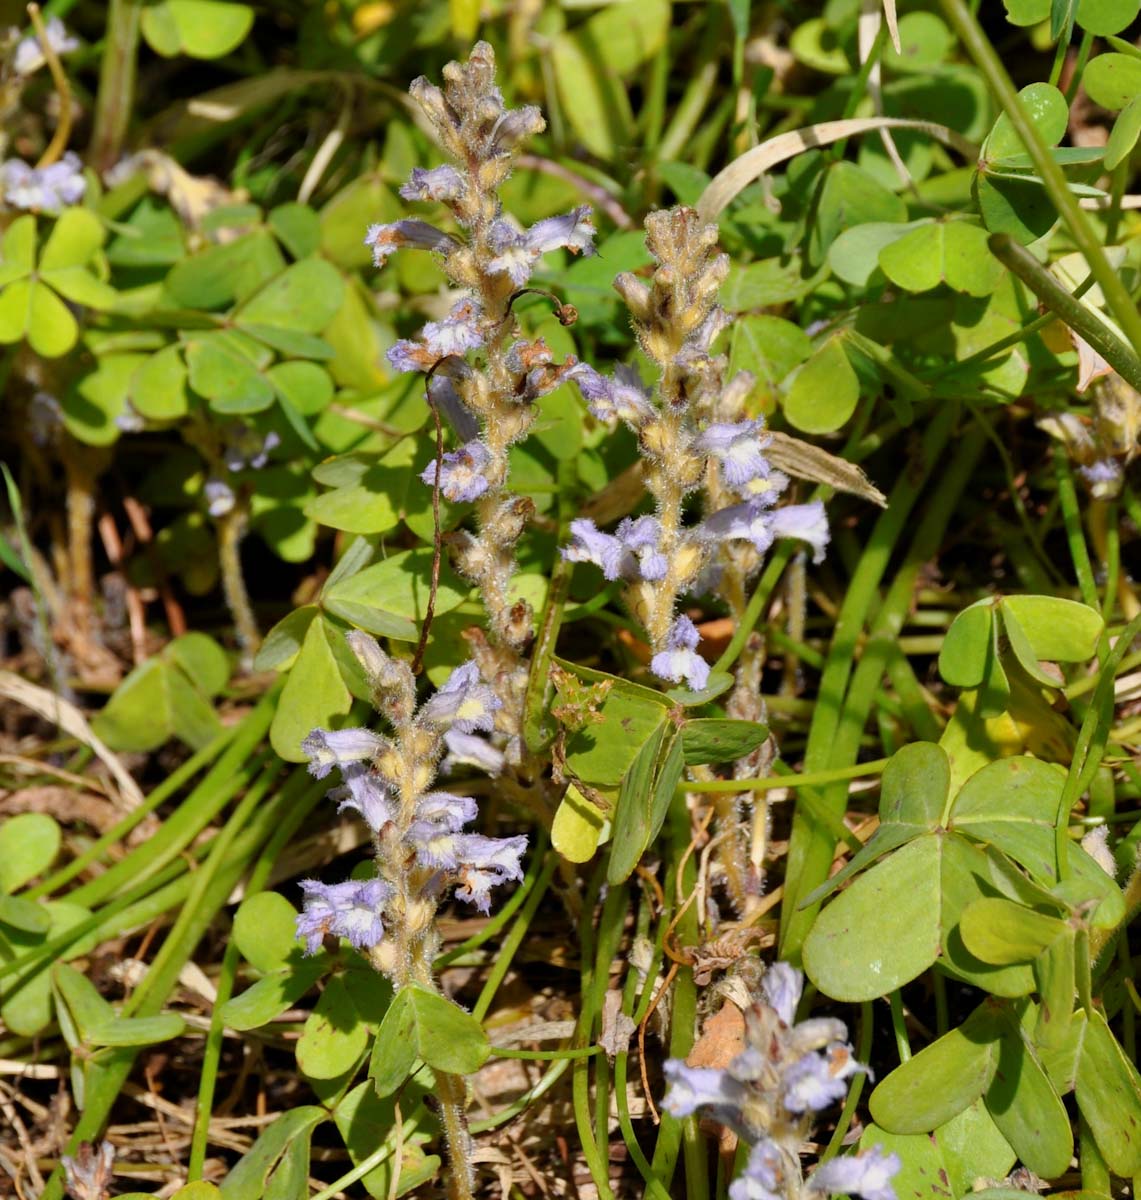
{"x":1072,"y":519}
{"x":231,"y":530}
{"x":1087,"y":757}
{"x":115,"y":99}
{"x":833,"y":736}
{"x":788,"y":781}
{"x":584,"y":1033}
{"x":856,"y":1090}
{"x":1084,"y":47}
{"x":684,"y":1134}
{"x":1082,"y":320}
{"x":899,"y":1026}
{"x":698,"y":92}
{"x":1085,"y":237}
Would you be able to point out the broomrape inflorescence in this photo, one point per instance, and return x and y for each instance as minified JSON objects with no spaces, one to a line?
{"x":694,"y":434}
{"x":769,"y":1093}
{"x":420,"y":848}
{"x":491,"y":403}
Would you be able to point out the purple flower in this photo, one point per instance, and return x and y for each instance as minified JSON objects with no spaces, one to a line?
{"x":406,"y":234}
{"x":631,"y":552}
{"x":470,"y":750}
{"x":457,"y":333}
{"x":220,"y":498}
{"x":763,"y":1176}
{"x":329,"y":748}
{"x":462,"y":477}
{"x":737,"y":447}
{"x":1103,"y":475}
{"x":28,"y":56}
{"x":408,"y":357}
{"x":817,"y":1080}
{"x":465,"y":702}
{"x":621,"y":396}
{"x":868,"y":1174}
{"x":486,"y":862}
{"x":445,"y":810}
{"x":515,"y":126}
{"x":439,"y":183}
{"x":350,"y":910}
{"x":750,"y":522}
{"x":435,"y":846}
{"x":44,"y":189}
{"x":806,"y":522}
{"x":783,"y":986}
{"x":680,"y":660}
{"x":692,"y":1088}
{"x":516,"y":252}
{"x":366,"y":793}
{"x":245,"y":447}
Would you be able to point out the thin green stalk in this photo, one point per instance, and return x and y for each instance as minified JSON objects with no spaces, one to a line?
{"x":117,"y":832}
{"x":114,"y":101}
{"x":899,"y":1026}
{"x":610,"y":927}
{"x":856,"y":1090}
{"x":811,"y":846}
{"x":1082,"y":320}
{"x":1059,"y":58}
{"x":1086,"y":758}
{"x":699,"y":90}
{"x":674,"y":1134}
{"x":1072,"y":519}
{"x":978,"y":45}
{"x":1084,"y":47}
{"x":584,"y":1034}
{"x":789,"y":781}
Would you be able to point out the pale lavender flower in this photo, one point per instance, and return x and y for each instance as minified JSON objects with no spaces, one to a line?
{"x":486,"y":863}
{"x":465,"y":702}
{"x":1102,"y":472}
{"x":692,"y":1088}
{"x":28,"y":56}
{"x":329,"y":748}
{"x":245,"y":447}
{"x":515,"y":126}
{"x":351,"y":910}
{"x":220,"y":498}
{"x":435,"y":846}
{"x":462,"y":477}
{"x":783,"y":986}
{"x":680,"y":660}
{"x":868,"y":1174}
{"x":817,"y":1080}
{"x":805,"y":522}
{"x":620,"y":397}
{"x":408,"y":233}
{"x":749,"y":522}
{"x":446,"y":810}
{"x":43,"y":189}
{"x":130,"y":420}
{"x":457,"y":333}
{"x":366,"y":793}
{"x":471,"y":750}
{"x":738,"y":447}
{"x":763,"y":1177}
{"x":436,"y":183}
{"x":517,"y":252}
{"x":632,"y":552}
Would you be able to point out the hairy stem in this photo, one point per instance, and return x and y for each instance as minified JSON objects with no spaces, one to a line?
{"x":231,"y":530}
